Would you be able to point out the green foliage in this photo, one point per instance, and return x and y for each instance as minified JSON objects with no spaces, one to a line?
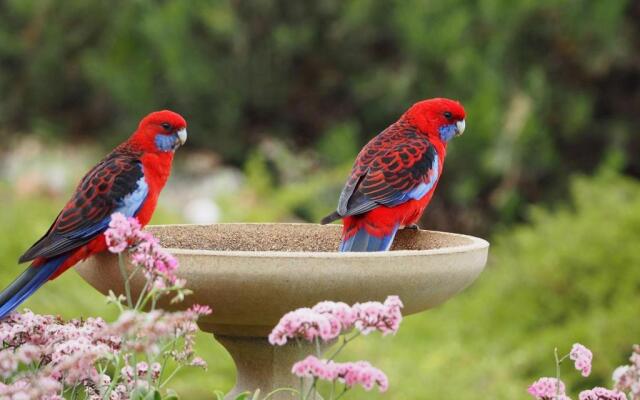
{"x":548,"y":85}
{"x":283,"y":186}
{"x":570,"y":276}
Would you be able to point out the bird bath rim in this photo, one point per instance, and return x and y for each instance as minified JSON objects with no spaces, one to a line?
{"x":475,"y":243}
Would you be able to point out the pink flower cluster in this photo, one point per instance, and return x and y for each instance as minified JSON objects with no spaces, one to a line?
{"x":627,"y":377}
{"x":158,"y":265}
{"x":306,"y":324}
{"x":548,"y":389}
{"x":373,"y":316}
{"x":144,"y":332}
{"x":582,"y":358}
{"x":65,"y":353}
{"x":351,"y":373}
{"x":142,"y":376}
{"x":38,"y":387}
{"x":327,"y":320}
{"x":122,"y":233}
{"x":600,"y":393}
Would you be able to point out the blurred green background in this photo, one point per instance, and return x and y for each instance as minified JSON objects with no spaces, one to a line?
{"x":280,"y":96}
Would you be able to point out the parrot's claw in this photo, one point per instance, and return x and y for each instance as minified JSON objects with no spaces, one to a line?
{"x":413,"y":227}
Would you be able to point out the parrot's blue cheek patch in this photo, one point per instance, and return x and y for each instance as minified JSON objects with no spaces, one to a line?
{"x":447,"y":132}
{"x":164,"y":142}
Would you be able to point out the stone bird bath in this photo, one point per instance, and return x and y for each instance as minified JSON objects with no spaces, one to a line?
{"x":252,"y":274}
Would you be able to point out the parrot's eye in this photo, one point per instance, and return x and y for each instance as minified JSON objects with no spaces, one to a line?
{"x":166,"y":125}
{"x":447,"y":115}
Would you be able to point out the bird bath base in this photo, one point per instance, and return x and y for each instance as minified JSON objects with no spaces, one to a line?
{"x":252,"y":274}
{"x":265,"y":367}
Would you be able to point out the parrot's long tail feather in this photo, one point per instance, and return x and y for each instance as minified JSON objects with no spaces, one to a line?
{"x":27,"y":283}
{"x":334,"y":216}
{"x":364,"y":241}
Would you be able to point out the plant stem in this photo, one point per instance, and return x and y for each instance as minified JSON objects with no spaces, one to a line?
{"x":301,"y":388}
{"x":164,"y":362}
{"x":280,"y":390}
{"x":73,"y":392}
{"x":345,"y":340}
{"x":342,"y":393}
{"x":140,"y":303}
{"x":312,"y":389}
{"x":175,"y":371}
{"x":318,"y":349}
{"x":116,"y":377}
{"x":127,"y":288}
{"x":333,"y":389}
{"x":558,"y":361}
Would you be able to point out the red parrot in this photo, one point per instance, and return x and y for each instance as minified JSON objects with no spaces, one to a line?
{"x":128,"y":180}
{"x":395,"y":175}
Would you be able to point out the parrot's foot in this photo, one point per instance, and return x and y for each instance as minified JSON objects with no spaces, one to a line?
{"x":413,"y":227}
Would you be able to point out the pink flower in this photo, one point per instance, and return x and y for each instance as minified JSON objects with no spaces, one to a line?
{"x":304,"y":323}
{"x":627,"y":377}
{"x":328,"y":319}
{"x":200,"y":309}
{"x":198,"y":362}
{"x":122,"y":233}
{"x":156,"y":369}
{"x":548,"y":389}
{"x":127,"y":373}
{"x":142,"y":368}
{"x":350,"y":373}
{"x":600,"y":393}
{"x":38,"y":387}
{"x":582,"y":358}
{"x":8,"y":363}
{"x":342,"y":311}
{"x":372,"y":316}
{"x":313,"y":367}
{"x":362,"y":373}
{"x":158,"y":265}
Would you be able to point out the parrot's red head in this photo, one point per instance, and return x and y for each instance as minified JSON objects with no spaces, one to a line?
{"x":438,"y":118}
{"x":160,"y":132}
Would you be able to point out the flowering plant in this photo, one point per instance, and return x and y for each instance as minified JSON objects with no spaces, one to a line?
{"x":46,"y":358}
{"x":626,"y":379}
{"x":326,"y":323}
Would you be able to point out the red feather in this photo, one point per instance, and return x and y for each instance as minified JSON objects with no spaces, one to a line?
{"x":112,"y":185}
{"x":395,"y":175}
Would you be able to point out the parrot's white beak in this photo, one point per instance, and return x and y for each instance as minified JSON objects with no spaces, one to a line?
{"x":182,"y":136}
{"x":460,"y":125}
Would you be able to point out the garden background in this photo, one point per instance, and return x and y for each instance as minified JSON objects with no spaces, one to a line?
{"x":280,"y":95}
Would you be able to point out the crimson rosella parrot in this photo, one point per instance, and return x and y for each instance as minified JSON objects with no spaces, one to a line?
{"x":395,"y":175}
{"x":128,"y":180}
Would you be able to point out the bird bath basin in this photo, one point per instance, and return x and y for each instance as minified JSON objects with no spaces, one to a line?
{"x":252,"y":274}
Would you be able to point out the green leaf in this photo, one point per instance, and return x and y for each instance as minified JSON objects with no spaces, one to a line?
{"x":219,"y":394}
{"x":243,"y":396}
{"x":153,"y":395}
{"x":171,"y":395}
{"x":139,"y":394}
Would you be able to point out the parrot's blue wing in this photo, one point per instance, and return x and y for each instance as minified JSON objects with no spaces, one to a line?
{"x":116,"y":184}
{"x":407,"y":170}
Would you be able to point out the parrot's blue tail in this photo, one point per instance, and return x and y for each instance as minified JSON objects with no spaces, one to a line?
{"x":27,"y":283}
{"x":364,"y":241}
